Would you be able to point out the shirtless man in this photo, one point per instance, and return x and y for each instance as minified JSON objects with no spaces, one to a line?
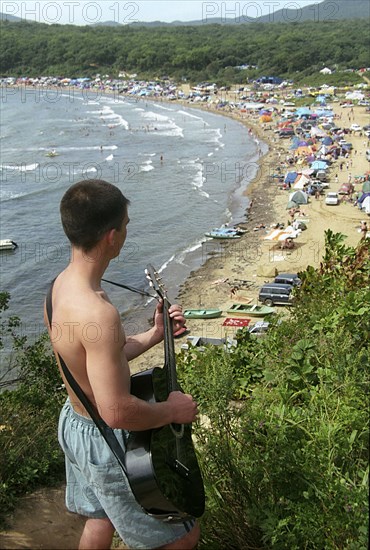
{"x":86,"y":332}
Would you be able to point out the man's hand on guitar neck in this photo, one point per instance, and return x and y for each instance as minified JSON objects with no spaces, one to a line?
{"x":176,"y":315}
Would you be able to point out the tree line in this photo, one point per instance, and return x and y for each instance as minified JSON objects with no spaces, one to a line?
{"x":210,"y":52}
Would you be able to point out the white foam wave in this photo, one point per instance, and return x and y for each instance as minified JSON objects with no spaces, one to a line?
{"x":150,"y":115}
{"x":165,"y":264}
{"x":192,"y":116}
{"x":110,"y":157}
{"x":8,"y":195}
{"x":146,"y":166}
{"x":19,"y":167}
{"x":181,"y":257}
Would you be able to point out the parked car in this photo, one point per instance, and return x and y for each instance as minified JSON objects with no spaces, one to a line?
{"x":288,"y":279}
{"x":321,"y":175}
{"x":272,"y":294}
{"x":286,"y":133}
{"x":332,"y":198}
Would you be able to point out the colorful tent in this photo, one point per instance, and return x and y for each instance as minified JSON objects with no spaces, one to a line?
{"x":366,"y":187}
{"x":299,"y":197}
{"x":319,"y":165}
{"x":290,"y":177}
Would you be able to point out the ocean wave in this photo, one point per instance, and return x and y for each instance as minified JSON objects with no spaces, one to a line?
{"x":147,"y":166}
{"x":193,"y":116}
{"x":181,"y":256}
{"x":150,"y":115}
{"x":20,"y":167}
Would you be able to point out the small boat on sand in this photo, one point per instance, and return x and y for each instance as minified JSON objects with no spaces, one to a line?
{"x":7,"y":244}
{"x":223,"y":233}
{"x":202,"y":313}
{"x":251,"y":309}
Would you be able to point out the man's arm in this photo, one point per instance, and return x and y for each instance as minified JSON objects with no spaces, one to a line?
{"x":139,"y":343}
{"x":109,"y":377}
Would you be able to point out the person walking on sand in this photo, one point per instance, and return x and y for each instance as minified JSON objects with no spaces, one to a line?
{"x":364,"y":230}
{"x":86,"y":332}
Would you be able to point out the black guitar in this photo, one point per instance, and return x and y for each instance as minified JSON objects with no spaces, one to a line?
{"x":161,"y":463}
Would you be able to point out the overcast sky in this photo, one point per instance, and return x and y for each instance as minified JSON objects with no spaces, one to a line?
{"x":88,"y":12}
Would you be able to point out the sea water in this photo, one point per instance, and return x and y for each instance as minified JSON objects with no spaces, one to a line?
{"x":183,"y":169}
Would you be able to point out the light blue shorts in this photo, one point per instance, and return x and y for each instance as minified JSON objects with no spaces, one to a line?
{"x":98,"y":488}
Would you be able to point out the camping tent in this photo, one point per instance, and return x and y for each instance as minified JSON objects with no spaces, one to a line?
{"x":301,"y":182}
{"x":327,"y":140}
{"x":290,"y":177}
{"x":365,"y":204}
{"x":299,"y":197}
{"x":366,"y":187}
{"x":319,"y":165}
{"x":346,"y":188}
{"x":363,"y":197}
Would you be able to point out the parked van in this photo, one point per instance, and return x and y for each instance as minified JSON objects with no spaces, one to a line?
{"x":272,"y":294}
{"x":288,"y":279}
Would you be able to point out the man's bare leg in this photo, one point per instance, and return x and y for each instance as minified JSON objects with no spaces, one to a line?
{"x":97,"y":535}
{"x":189,"y":541}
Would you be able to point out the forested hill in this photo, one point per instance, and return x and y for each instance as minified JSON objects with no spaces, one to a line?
{"x":211,"y":52}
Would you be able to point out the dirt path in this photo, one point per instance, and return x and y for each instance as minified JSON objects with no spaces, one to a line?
{"x":42,"y":521}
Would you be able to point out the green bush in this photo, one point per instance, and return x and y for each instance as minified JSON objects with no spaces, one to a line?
{"x":30,"y":454}
{"x":283,"y":440}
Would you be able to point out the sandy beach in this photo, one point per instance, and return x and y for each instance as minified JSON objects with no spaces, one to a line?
{"x":245,"y":263}
{"x":252,"y":260}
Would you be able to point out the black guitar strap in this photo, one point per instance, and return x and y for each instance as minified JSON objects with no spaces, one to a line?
{"x":105,"y":430}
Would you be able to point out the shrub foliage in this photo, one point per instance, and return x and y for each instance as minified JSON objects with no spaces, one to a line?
{"x":283,"y":441}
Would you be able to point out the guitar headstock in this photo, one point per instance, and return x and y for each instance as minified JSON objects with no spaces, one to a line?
{"x":155,"y":281}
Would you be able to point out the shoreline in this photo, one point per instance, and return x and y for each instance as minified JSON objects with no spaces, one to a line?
{"x":253,"y":259}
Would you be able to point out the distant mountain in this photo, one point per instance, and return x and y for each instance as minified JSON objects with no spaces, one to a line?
{"x":326,"y":10}
{"x":11,"y":18}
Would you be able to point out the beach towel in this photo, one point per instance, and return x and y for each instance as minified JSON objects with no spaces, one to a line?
{"x":234,"y":322}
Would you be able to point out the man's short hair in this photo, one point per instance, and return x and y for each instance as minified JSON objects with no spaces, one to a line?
{"x":89,"y":209}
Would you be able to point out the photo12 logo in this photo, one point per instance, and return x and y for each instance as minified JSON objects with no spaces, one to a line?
{"x":268,"y":11}
{"x":72,"y":12}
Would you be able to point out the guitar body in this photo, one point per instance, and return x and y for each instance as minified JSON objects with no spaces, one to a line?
{"x":161,"y":464}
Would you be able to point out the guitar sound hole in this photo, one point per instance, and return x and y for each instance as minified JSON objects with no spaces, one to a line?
{"x":177,"y":429}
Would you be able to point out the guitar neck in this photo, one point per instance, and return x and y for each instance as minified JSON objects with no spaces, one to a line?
{"x":169,"y":348}
{"x":169,"y":345}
